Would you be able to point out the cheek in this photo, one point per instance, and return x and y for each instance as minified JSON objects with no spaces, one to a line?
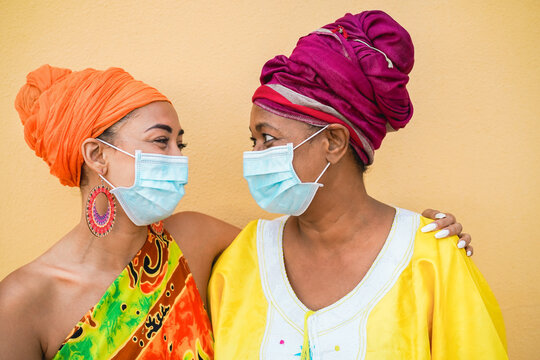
{"x":122,"y":172}
{"x":308,"y":165}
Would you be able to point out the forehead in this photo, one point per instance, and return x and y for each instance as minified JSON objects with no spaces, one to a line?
{"x":261,"y":118}
{"x":160,"y":112}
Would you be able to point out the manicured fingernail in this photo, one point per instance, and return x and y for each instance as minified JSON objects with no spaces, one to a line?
{"x":429,"y":227}
{"x":440,"y":216}
{"x":461,"y":244}
{"x":442,"y":234}
{"x":469,"y":252}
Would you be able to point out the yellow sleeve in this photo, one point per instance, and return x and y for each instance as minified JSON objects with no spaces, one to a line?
{"x":226,"y":269}
{"x":237,"y":302}
{"x":467,"y":321}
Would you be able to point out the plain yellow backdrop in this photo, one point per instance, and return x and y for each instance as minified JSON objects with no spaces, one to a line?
{"x":471,"y":148}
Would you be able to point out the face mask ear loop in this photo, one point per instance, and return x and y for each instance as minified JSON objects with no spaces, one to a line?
{"x":107,"y":181}
{"x":309,"y":138}
{"x":116,"y":148}
{"x":320,"y":176}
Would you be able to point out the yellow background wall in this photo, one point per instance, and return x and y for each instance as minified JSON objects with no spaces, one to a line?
{"x":472,"y":147}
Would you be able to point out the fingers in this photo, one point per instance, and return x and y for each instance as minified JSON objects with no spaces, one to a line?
{"x":450,"y":230}
{"x":448,"y":220}
{"x":453,"y":229}
{"x":464,"y":241}
{"x":434,"y":215}
{"x":469,"y":250}
{"x":430,"y":213}
{"x":441,"y":219}
{"x":445,"y":222}
{"x":446,"y":225}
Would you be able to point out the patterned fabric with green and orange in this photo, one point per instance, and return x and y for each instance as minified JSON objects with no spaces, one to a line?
{"x":152,"y":310}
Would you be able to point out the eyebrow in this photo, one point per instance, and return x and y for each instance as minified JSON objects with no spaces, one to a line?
{"x":167,"y":128}
{"x":259,"y":126}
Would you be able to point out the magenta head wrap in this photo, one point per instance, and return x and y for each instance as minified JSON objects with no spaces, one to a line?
{"x":353,"y":72}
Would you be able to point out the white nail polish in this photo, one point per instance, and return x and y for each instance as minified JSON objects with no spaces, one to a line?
{"x":461,"y":244}
{"x":440,"y":216}
{"x":429,"y":227}
{"x":442,"y":234}
{"x":469,"y":252}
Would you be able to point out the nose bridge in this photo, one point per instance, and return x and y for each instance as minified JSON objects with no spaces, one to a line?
{"x":258,"y":147}
{"x":175,"y":151}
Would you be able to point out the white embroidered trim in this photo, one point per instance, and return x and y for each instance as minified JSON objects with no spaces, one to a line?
{"x":336,"y":323}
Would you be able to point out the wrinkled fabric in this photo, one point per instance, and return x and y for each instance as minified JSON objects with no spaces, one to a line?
{"x":152,"y":310}
{"x":355,"y":70}
{"x":427,"y":300}
{"x":60,"y":108}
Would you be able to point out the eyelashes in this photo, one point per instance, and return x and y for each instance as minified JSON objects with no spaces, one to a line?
{"x":267,"y":138}
{"x":163,"y":141}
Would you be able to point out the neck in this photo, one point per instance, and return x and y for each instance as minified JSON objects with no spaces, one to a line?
{"x":113,"y":251}
{"x":341,"y":213}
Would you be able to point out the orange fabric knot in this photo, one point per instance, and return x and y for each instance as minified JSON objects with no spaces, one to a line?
{"x":60,"y":108}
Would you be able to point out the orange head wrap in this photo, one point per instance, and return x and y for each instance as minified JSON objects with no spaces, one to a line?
{"x":60,"y":108}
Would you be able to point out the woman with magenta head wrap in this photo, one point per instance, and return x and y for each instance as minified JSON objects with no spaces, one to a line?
{"x":343,"y":276}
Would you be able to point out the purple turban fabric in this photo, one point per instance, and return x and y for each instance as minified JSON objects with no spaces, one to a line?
{"x":353,"y":72}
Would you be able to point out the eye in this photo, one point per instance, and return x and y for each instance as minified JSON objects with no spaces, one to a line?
{"x":162,"y":140}
{"x":254,"y":141}
{"x":181,"y":145}
{"x":268,"y":138}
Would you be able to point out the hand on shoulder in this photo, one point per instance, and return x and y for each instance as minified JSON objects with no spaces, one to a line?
{"x":447,"y":225}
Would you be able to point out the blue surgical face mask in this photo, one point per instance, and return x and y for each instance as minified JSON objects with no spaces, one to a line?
{"x":157,"y":189}
{"x":273,"y":183}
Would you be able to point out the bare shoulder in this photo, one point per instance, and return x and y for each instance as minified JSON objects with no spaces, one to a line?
{"x":201,"y":238}
{"x":196,"y":230}
{"x":23,"y":302}
{"x":23,"y":287}
{"x":187,"y":219}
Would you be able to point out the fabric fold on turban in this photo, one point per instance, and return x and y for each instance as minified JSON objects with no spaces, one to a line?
{"x":352,"y":72}
{"x":60,"y":108}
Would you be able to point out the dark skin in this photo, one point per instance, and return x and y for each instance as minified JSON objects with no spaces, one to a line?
{"x":41,"y":302}
{"x":343,"y":230}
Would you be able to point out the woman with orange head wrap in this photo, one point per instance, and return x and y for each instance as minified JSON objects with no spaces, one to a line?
{"x":117,"y":285}
{"x":119,"y":273}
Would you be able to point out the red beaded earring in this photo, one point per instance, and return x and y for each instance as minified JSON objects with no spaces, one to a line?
{"x":100,"y":225}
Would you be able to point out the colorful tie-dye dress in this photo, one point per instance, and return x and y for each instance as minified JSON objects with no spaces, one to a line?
{"x":152,"y":310}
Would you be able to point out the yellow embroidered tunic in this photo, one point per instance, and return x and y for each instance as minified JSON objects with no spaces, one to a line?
{"x":421,"y":299}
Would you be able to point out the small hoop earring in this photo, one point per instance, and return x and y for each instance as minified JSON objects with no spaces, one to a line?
{"x":100,"y":225}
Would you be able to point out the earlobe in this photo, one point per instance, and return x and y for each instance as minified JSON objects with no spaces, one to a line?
{"x":92,"y":152}
{"x":338,"y":142}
